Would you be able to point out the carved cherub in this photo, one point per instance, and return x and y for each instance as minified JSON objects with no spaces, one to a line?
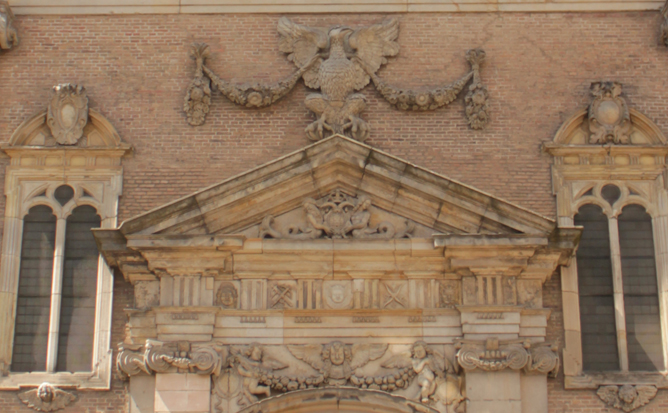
{"x":337,"y":361}
{"x":436,"y":376}
{"x":627,"y":397}
{"x":46,"y":398}
{"x":251,"y":364}
{"x":8,"y":36}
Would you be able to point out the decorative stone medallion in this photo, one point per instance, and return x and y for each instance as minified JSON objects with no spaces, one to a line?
{"x":338,"y":294}
{"x":68,"y":113}
{"x":609,"y":118}
{"x":227,"y":295}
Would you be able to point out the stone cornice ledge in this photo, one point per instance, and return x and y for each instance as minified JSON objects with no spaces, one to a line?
{"x":21,"y":7}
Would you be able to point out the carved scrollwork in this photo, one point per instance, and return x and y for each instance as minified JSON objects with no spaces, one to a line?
{"x":627,"y":397}
{"x":46,"y":398}
{"x":544,"y":359}
{"x":492,"y":355}
{"x":130,"y":361}
{"x":158,"y":357}
{"x":8,"y":36}
{"x":609,"y":118}
{"x":68,"y":113}
{"x":337,"y":216}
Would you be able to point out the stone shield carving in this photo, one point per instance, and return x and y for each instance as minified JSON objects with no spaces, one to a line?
{"x":609,"y":118}
{"x":68,"y":113}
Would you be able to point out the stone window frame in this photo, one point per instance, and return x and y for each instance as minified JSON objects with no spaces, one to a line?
{"x":33,"y":169}
{"x":578,"y":168}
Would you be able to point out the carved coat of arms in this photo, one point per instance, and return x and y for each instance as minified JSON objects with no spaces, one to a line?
{"x":339,"y":62}
{"x":68,"y":113}
{"x":609,"y":118}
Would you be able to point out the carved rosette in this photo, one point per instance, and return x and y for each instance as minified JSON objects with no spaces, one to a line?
{"x":495,"y":355}
{"x":8,"y":36}
{"x":609,"y":118}
{"x":627,"y":397}
{"x":47,"y":398}
{"x":68,"y":113}
{"x":198,"y":96}
{"x":337,"y":216}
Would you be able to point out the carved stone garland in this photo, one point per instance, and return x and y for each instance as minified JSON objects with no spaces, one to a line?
{"x":338,"y":61}
{"x":337,"y":216}
{"x":46,"y":398}
{"x":627,"y":397}
{"x":8,"y":36}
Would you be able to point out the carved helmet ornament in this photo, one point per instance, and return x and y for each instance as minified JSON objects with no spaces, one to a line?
{"x":338,"y":62}
{"x":8,"y":36}
{"x":609,"y":118}
{"x":68,"y":113}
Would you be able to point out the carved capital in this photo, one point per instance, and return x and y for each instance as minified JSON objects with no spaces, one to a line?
{"x":159,"y":357}
{"x":46,"y":398}
{"x":627,"y":397}
{"x":492,"y":355}
{"x":544,"y":359}
{"x":8,"y":36}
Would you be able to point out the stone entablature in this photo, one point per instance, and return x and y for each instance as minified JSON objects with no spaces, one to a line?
{"x":327,"y":6}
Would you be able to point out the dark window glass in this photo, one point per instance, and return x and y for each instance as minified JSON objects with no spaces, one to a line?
{"x":34,"y":299}
{"x":597,"y":308}
{"x":641,"y":299}
{"x":77,"y":313}
{"x":63,"y":194}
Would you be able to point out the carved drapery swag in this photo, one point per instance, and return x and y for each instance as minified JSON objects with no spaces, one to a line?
{"x":337,"y":216}
{"x":8,"y":36}
{"x":338,"y":62}
{"x":495,"y":355}
{"x":627,"y":397}
{"x":46,"y":398}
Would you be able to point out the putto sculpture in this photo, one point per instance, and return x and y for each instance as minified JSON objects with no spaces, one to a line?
{"x":46,"y":398}
{"x":339,"y":62}
{"x":8,"y":36}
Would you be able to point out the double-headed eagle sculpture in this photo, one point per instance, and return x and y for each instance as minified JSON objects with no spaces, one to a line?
{"x":339,"y":62}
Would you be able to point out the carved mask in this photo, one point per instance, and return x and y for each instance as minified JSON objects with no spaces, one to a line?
{"x":337,"y":354}
{"x":627,"y":394}
{"x":227,"y":295}
{"x":256,"y":353}
{"x":45,"y":392}
{"x":338,"y":293}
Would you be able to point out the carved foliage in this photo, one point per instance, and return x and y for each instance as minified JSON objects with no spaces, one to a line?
{"x":664,"y":25}
{"x":337,"y":216}
{"x":8,"y":36}
{"x":477,"y":111}
{"x":609,"y":118}
{"x":46,"y":398}
{"x":68,"y":113}
{"x":626,"y":398}
{"x":198,"y":96}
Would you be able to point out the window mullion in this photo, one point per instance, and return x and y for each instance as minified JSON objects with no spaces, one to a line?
{"x":56,"y":296}
{"x":618,"y":290}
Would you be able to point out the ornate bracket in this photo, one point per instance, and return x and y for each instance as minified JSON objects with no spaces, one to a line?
{"x":627,"y":397}
{"x":8,"y":36}
{"x":46,"y":398}
{"x":495,"y":355}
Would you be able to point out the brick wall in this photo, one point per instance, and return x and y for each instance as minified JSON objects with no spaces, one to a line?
{"x":136,"y":70}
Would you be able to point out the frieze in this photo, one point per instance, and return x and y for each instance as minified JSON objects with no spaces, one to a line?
{"x":338,"y":62}
{"x":8,"y":36}
{"x":306,"y":320}
{"x":363,"y":319}
{"x":47,"y":398}
{"x":627,"y":397}
{"x":253,"y":320}
{"x":339,"y":215}
{"x":422,"y":319}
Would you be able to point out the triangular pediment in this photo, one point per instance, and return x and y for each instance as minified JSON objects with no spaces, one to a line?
{"x":395,"y":190}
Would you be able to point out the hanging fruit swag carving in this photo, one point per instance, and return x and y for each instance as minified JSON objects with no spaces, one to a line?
{"x":338,"y":62}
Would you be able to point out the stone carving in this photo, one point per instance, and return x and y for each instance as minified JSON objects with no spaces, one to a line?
{"x":337,"y":361}
{"x":159,"y":357}
{"x":337,"y":216}
{"x":394,"y":294}
{"x":664,"y":25}
{"x":339,"y":62}
{"x":147,"y":294}
{"x":449,"y":293}
{"x":283,"y":295}
{"x":253,"y":366}
{"x":544,"y":359}
{"x":627,"y":397}
{"x":609,"y":118}
{"x":227,"y":295}
{"x":46,"y":398}
{"x":338,"y":294}
{"x":130,"y":361}
{"x":495,"y":355}
{"x":198,"y":96}
{"x":68,"y":113}
{"x":8,"y":36}
{"x":436,"y":376}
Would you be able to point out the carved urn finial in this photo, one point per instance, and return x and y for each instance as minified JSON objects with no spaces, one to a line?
{"x":68,"y":113}
{"x":609,"y":118}
{"x":8,"y":36}
{"x":46,"y":398}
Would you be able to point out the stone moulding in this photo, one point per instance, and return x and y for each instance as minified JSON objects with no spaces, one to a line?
{"x":47,"y":398}
{"x":664,"y":25}
{"x":495,"y":355}
{"x":626,"y":397}
{"x":338,"y":61}
{"x":8,"y":36}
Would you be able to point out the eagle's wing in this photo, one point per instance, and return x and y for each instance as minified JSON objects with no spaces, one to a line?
{"x":364,"y":353}
{"x":311,"y":353}
{"x":370,"y":46}
{"x":302,"y":45}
